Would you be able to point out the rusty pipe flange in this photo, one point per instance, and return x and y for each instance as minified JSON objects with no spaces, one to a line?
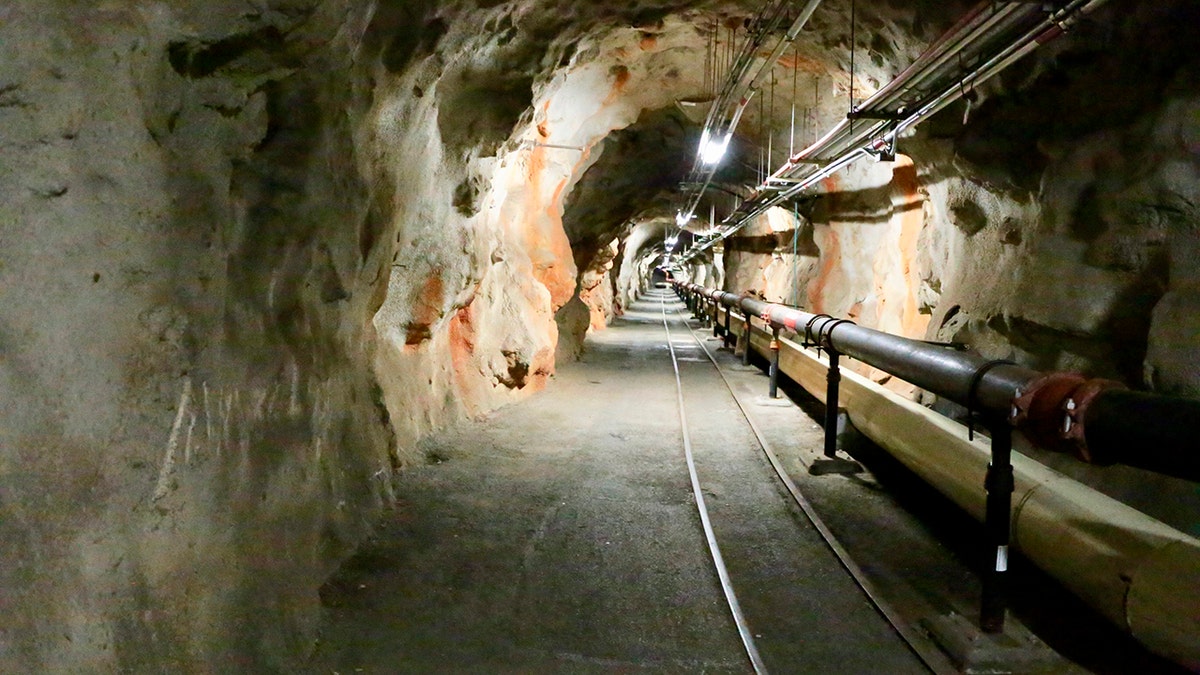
{"x":1038,"y":411}
{"x":1074,"y":412}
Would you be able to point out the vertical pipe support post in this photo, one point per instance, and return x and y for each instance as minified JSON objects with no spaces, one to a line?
{"x":746,"y":335}
{"x":833,"y":378}
{"x":998,"y":527}
{"x":773,"y":386}
{"x":728,"y":326}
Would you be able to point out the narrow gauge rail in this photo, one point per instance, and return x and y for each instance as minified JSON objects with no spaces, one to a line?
{"x":924,"y":651}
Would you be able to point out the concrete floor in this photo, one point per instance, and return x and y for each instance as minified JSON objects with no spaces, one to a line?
{"x":561,"y":535}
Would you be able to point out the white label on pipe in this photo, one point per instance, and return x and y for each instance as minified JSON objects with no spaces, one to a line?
{"x":1001,"y":558}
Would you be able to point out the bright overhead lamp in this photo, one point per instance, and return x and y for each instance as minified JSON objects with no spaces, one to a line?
{"x":712,"y":151}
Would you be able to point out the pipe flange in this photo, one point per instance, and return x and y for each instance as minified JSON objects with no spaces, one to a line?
{"x":1074,"y":413}
{"x":1038,"y":411}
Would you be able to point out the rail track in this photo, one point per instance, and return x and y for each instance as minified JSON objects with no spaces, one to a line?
{"x":841,"y":575}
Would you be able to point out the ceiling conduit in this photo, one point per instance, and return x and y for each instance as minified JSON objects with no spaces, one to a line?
{"x":987,"y":40}
{"x":726,"y":111}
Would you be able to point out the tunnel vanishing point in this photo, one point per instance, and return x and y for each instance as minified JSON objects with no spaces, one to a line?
{"x":253,"y":252}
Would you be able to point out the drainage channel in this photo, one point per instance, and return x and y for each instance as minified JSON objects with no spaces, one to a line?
{"x":799,"y":601}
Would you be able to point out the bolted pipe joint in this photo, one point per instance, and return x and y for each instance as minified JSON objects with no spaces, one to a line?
{"x":1052,"y":411}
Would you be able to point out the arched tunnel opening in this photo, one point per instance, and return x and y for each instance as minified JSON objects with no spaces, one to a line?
{"x":452,"y":336}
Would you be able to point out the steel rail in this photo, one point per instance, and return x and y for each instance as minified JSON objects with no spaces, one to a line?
{"x":927,"y":653}
{"x":710,"y":536}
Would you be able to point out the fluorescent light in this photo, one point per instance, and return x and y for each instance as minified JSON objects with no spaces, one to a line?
{"x":712,"y":151}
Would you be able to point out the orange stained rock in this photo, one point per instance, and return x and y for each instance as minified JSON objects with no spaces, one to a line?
{"x":830,"y":257}
{"x":545,"y":242}
{"x":462,"y":347}
{"x":621,"y":77}
{"x":649,"y":42}
{"x":831,"y":254}
{"x":427,"y":308}
{"x":802,"y":64}
{"x":912,"y":219}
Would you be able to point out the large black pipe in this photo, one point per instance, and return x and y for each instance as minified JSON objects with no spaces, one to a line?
{"x":1096,"y":420}
{"x":1144,"y":430}
{"x":937,"y":369}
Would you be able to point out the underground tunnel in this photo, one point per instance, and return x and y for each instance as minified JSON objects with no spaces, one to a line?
{"x":500,"y":336}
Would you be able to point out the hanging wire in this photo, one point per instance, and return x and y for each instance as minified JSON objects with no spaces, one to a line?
{"x":795,"y":82}
{"x":771,"y":128}
{"x":853,"y":45}
{"x":795,"y":254}
{"x":707,"y":63}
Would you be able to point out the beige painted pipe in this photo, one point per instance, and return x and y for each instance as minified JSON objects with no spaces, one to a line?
{"x":1140,"y":573}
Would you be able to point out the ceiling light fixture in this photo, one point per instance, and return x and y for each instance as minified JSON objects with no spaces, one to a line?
{"x":713,"y":151}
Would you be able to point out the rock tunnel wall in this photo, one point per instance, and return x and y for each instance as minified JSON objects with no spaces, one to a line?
{"x":1045,"y":228}
{"x":193,"y":238}
{"x":252,"y":252}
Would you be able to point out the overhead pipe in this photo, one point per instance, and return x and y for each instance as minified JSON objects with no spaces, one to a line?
{"x":1139,"y":573}
{"x":947,"y":41}
{"x":714,"y":126}
{"x":846,"y":146}
{"x":1052,"y":27}
{"x":977,"y":24}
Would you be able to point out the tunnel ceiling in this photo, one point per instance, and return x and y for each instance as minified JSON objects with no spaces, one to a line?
{"x":509,"y":77}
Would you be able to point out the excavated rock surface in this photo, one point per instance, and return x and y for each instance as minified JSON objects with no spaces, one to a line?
{"x":252,"y":251}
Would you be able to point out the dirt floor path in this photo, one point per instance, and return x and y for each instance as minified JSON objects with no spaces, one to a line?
{"x":561,"y":535}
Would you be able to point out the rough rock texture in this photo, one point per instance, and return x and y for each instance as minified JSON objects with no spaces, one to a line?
{"x":191,"y":436}
{"x":252,"y":251}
